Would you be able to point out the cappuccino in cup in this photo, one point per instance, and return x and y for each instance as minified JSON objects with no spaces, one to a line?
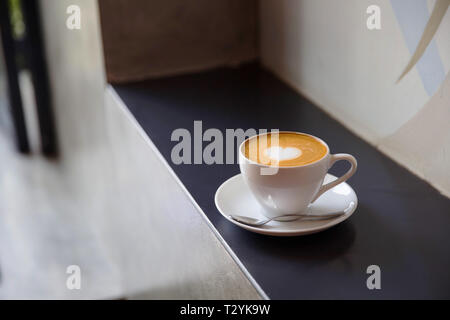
{"x":300,"y":163}
{"x":284,"y":149}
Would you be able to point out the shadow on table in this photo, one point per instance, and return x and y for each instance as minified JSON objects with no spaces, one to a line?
{"x":322,"y":246}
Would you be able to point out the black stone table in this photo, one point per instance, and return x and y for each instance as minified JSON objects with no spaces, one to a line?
{"x":401,"y":224}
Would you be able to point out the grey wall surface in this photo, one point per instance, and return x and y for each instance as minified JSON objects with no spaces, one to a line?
{"x":109,"y":204}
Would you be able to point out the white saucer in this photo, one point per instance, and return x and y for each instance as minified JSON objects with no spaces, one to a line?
{"x":234,"y":197}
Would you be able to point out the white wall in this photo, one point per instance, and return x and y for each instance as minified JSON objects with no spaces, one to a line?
{"x":324,"y":49}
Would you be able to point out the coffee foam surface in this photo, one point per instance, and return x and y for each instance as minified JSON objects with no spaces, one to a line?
{"x":284,"y":149}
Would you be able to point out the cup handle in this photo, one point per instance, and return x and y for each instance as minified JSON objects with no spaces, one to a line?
{"x":348,"y":174}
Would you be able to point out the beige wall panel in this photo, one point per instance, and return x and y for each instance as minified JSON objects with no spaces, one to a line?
{"x":151,"y":38}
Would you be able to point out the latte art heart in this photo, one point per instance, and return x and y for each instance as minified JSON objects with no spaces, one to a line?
{"x":281,"y":154}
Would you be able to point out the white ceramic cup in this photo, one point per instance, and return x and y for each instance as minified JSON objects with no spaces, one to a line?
{"x":289,"y":190}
